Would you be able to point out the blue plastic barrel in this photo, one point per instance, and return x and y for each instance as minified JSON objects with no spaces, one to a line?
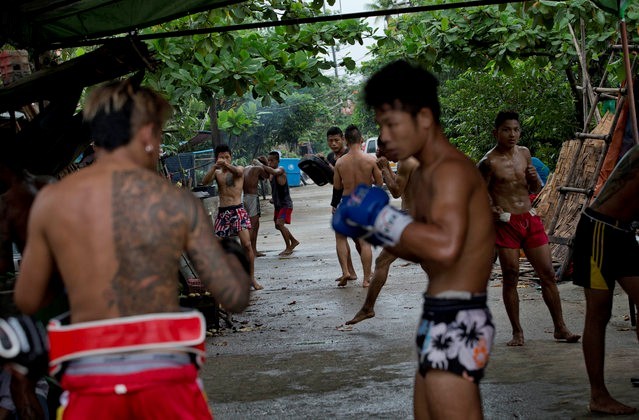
{"x":293,"y":172}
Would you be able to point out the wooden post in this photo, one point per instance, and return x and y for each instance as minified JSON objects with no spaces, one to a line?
{"x":629,"y":81}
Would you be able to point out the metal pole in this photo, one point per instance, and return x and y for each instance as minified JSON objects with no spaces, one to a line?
{"x":629,"y":82}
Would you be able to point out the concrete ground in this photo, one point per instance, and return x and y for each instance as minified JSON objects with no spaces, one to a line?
{"x":289,"y":355}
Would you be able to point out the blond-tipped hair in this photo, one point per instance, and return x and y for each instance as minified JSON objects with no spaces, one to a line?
{"x":117,"y":110}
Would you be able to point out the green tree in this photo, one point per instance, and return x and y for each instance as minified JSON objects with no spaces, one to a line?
{"x":512,"y":52}
{"x":220,"y":69}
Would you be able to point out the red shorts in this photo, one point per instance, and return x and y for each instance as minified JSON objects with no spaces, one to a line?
{"x":172,"y":393}
{"x":284,"y":213}
{"x":522,"y":231}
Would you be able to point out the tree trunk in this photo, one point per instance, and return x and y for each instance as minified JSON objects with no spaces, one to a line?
{"x":577,"y":94}
{"x":216,"y":139}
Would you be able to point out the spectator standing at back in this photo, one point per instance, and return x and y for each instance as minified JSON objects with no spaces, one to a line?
{"x":511,"y":178}
{"x":282,"y":202}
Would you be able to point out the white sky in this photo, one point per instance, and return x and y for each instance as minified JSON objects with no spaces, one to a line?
{"x":356,"y":52}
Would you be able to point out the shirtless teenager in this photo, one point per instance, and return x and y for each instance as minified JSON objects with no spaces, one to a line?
{"x":252,"y":176}
{"x":606,"y":251}
{"x":115,"y":231}
{"x":282,"y":202}
{"x":511,"y":177}
{"x":449,"y":232}
{"x":336,"y":142}
{"x":352,"y":169}
{"x":232,"y":219}
{"x":397,"y":185}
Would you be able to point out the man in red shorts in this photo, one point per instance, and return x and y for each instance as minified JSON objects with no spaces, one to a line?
{"x":508,"y":170}
{"x":281,"y":201}
{"x":115,"y":232}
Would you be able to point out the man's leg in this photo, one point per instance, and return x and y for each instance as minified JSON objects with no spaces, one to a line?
{"x":366,"y":256}
{"x":444,"y":395}
{"x":509,"y":262}
{"x":289,"y":239}
{"x":382,"y":265}
{"x":541,"y":261}
{"x":255,"y":227}
{"x":245,"y":241}
{"x":341,"y":246}
{"x":598,"y":311}
{"x":349,"y":262}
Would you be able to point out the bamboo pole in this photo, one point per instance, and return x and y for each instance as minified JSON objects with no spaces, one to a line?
{"x":629,"y":81}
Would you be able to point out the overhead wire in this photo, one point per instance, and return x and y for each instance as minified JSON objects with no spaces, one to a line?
{"x":298,"y":21}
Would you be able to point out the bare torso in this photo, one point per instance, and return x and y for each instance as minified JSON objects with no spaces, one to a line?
{"x":505,"y":173}
{"x":251,"y":177}
{"x":354,"y":168}
{"x":116,"y":238}
{"x":450,"y":196}
{"x":230,"y":187}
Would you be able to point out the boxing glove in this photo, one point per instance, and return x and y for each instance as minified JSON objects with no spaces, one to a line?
{"x":369,"y":208}
{"x":342,"y":226}
{"x":24,"y":345}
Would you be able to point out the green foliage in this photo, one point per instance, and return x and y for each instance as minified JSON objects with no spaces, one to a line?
{"x":221,"y":69}
{"x":542,"y":98}
{"x":515,"y":56}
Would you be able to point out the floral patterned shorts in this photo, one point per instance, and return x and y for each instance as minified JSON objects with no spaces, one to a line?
{"x":455,"y":335}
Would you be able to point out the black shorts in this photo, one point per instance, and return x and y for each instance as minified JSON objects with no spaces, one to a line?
{"x":605,"y":250}
{"x":455,"y":335}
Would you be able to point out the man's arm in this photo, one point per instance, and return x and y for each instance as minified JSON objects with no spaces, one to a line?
{"x":37,"y":262}
{"x":275,"y":172}
{"x":210,"y":175}
{"x":377,"y":175}
{"x":389,"y":178}
{"x":486,"y":172}
{"x":337,"y":179}
{"x":221,"y":273}
{"x":532,"y":178}
{"x":236,"y":171}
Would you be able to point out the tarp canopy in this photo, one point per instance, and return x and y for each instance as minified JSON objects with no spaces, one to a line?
{"x":45,"y":24}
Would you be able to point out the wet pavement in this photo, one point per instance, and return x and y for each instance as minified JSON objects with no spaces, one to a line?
{"x":289,"y":355}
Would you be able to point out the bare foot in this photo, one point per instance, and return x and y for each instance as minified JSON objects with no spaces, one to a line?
{"x":517,"y":341}
{"x":285,"y":252}
{"x":609,"y":405}
{"x":567,"y":336}
{"x":293,"y":245}
{"x":360,"y":316}
{"x":259,"y":254}
{"x":365,"y":284}
{"x":348,"y":277}
{"x":257,"y":286}
{"x":342,"y":281}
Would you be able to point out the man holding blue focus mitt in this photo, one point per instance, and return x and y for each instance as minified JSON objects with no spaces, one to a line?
{"x":449,"y":231}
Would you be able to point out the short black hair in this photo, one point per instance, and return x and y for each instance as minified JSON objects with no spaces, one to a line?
{"x":334,"y":131}
{"x":505,"y":116}
{"x":405,"y":86}
{"x":221,"y":148}
{"x":275,"y":154}
{"x":352,"y":134}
